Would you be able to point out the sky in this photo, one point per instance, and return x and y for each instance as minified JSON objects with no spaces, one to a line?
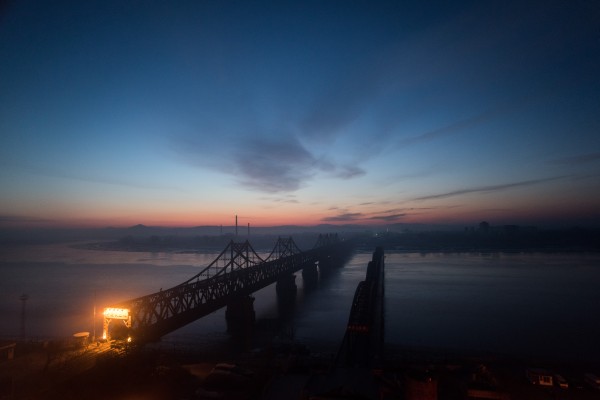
{"x":115,"y":113}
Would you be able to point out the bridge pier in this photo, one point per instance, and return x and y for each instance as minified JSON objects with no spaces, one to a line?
{"x":240,"y":315}
{"x":310,"y":275}
{"x":286,"y":287}
{"x":286,"y":290}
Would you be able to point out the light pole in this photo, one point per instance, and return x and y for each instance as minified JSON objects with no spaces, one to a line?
{"x":94,"y":326}
{"x":23,"y":299}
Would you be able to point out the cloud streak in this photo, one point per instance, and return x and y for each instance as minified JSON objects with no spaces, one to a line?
{"x":487,"y":189}
{"x":358,"y":216}
{"x":21,"y":219}
{"x":388,"y":218}
{"x":56,"y":172}
{"x":581,"y":159}
{"x":346,"y":217}
{"x":452,"y":129}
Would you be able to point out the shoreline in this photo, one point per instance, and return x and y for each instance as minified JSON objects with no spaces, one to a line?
{"x":98,"y":372}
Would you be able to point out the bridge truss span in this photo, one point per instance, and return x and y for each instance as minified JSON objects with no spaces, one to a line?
{"x":237,"y":271}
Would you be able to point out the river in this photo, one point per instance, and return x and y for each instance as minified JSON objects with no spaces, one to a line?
{"x":531,"y":304}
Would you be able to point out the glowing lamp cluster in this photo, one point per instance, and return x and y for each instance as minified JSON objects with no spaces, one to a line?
{"x":116,"y":313}
{"x":111,"y":313}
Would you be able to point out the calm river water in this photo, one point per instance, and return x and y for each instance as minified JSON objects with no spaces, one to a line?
{"x":526,"y":304}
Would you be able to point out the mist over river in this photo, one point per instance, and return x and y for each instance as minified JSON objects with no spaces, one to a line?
{"x":526,"y":304}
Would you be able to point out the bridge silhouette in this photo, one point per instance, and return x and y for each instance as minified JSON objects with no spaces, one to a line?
{"x":359,"y":361}
{"x":234,"y":275}
{"x":363,"y":341}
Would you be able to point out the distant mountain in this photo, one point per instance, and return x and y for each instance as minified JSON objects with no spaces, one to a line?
{"x":137,"y":227}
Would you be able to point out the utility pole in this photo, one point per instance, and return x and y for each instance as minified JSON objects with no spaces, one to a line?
{"x":94,"y":326}
{"x":23,"y":299}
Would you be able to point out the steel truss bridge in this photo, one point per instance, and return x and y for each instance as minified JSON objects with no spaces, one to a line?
{"x":355,"y":371}
{"x":363,"y":341}
{"x":236,"y":273}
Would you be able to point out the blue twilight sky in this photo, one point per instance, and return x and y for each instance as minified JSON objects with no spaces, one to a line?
{"x":188,"y":112}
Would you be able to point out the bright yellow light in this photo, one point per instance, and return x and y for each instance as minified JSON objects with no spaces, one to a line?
{"x":116,"y":313}
{"x":104,"y":336}
{"x":129,"y":339}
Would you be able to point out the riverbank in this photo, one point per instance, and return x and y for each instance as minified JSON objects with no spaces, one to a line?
{"x":284,"y":370}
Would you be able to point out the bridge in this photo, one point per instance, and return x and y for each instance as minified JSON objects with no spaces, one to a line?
{"x":363,"y":341}
{"x":360,"y":357}
{"x":234,"y":275}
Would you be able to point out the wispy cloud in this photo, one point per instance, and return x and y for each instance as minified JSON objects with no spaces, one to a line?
{"x":19,"y":219}
{"x":500,"y":210}
{"x":580,"y":159}
{"x":384,"y":216}
{"x":282,"y":199}
{"x":265,"y":163}
{"x":273,"y":165}
{"x":342,"y":100}
{"x":57,"y":172}
{"x":453,"y":128}
{"x":388,"y":218}
{"x":346,"y":217}
{"x":349,"y":172}
{"x":488,"y":189}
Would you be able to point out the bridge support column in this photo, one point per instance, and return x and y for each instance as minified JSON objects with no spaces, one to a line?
{"x":240,"y":315}
{"x":286,"y":297}
{"x":286,"y":287}
{"x":310,"y":275}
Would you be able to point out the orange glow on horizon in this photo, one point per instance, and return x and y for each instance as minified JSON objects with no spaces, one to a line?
{"x":470,"y":211}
